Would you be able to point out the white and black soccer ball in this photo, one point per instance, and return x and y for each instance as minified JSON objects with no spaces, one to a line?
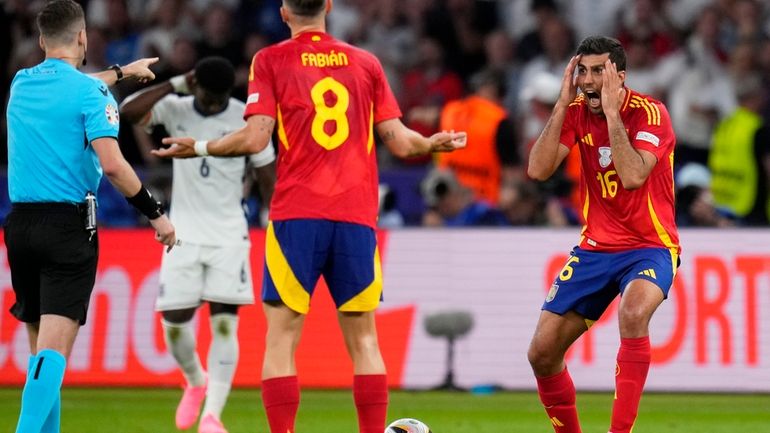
{"x":407,"y":425}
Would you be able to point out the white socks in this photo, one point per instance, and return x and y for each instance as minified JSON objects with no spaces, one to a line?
{"x":222,"y":361}
{"x":181,"y":341}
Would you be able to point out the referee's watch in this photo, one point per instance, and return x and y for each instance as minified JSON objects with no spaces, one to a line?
{"x":118,"y":71}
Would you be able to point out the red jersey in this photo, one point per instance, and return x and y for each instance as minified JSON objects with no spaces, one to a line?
{"x":326,"y":96}
{"x":617,"y":219}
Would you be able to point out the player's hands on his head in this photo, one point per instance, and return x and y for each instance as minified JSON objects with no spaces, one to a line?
{"x":447,"y":141}
{"x":178,"y":147}
{"x":140,"y":69}
{"x":569,"y":82}
{"x":612,"y":88}
{"x":165,"y":232}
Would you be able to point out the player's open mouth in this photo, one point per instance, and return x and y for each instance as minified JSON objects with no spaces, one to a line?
{"x":594,"y":99}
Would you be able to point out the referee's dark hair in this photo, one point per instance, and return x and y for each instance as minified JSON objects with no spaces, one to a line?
{"x":215,"y":74}
{"x":58,"y":18}
{"x":306,"y":8}
{"x":604,"y":44}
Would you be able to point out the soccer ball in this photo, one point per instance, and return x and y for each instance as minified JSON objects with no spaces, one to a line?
{"x":407,"y":425}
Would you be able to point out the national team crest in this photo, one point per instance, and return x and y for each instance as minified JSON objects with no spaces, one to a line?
{"x":552,"y":292}
{"x":605,"y":156}
{"x":112,"y":114}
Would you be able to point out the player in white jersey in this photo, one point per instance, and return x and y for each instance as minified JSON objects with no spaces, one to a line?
{"x":212,"y":262}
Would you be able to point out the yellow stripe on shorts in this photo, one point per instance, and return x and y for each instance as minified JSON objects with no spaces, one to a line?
{"x":369,"y":298}
{"x":289,"y":288}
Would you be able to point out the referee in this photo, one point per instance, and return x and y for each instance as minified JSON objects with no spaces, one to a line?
{"x":62,"y":136}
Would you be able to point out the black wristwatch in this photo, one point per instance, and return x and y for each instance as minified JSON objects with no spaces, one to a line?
{"x":118,"y":71}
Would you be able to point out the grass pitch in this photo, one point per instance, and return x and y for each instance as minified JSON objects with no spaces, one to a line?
{"x":99,"y":410}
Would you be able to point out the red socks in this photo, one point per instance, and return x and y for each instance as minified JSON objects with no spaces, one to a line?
{"x":557,"y":393}
{"x":630,"y":375}
{"x":370,"y":393}
{"x":280,"y":396}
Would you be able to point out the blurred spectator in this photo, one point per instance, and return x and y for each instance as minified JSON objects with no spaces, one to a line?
{"x":740,"y":157}
{"x":386,"y":33}
{"x":389,"y":215}
{"x":694,"y":200}
{"x":122,"y":35}
{"x":450,"y":204}
{"x":262,"y":16}
{"x":218,"y":38}
{"x":500,"y":51}
{"x":645,"y":21}
{"x":427,"y":87}
{"x":558,"y":46}
{"x":530,"y":206}
{"x":252,"y":43}
{"x":593,"y":17}
{"x":460,"y":26}
{"x":699,"y":92}
{"x":165,"y":24}
{"x":491,"y":157}
{"x":531,"y":44}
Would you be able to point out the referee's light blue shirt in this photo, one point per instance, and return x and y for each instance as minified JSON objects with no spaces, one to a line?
{"x":54,"y":112}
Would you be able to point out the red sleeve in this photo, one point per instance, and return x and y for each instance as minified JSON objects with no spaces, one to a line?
{"x":652,"y":131}
{"x":385,"y":105}
{"x":568,"y":135}
{"x":261,"y":98}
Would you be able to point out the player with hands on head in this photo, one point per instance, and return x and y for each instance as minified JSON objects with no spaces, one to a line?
{"x":326,"y":99}
{"x":629,"y":244}
{"x":62,"y":136}
{"x":206,"y":206}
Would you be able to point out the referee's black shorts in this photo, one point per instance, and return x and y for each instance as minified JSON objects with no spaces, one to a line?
{"x":52,"y":260}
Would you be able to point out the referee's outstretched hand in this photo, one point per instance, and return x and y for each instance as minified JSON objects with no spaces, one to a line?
{"x":165,"y":232}
{"x":139,"y":70}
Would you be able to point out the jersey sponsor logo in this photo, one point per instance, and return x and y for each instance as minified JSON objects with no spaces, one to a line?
{"x":111,"y":112}
{"x":323,"y":60}
{"x":552,"y":292}
{"x":649,"y":137}
{"x":605,"y":156}
{"x":103,"y":90}
{"x":253,"y":98}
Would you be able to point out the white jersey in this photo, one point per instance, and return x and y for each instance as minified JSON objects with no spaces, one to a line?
{"x":207,"y":192}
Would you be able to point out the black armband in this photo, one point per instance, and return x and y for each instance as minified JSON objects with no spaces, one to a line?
{"x":145,"y":203}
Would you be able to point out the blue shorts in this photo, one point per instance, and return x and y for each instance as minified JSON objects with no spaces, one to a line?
{"x":591,"y":280}
{"x":298,"y":252}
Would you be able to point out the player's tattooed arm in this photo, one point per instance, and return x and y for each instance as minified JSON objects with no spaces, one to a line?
{"x":252,"y":138}
{"x":406,"y":143}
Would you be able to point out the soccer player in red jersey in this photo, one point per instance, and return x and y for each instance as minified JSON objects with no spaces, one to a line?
{"x":326,"y":99}
{"x":629,"y":244}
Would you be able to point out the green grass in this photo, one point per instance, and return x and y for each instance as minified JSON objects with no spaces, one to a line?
{"x":87,"y":410}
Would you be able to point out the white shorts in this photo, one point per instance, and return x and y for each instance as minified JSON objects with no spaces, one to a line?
{"x":190,"y":274}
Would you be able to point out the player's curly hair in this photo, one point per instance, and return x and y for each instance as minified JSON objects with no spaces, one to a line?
{"x":58,"y":18}
{"x":215,"y":74}
{"x":306,"y":8}
{"x":604,"y":44}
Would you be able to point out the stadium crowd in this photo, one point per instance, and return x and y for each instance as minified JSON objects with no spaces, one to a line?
{"x":708,"y":60}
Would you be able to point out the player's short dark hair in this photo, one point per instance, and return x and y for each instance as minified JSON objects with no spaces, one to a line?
{"x":604,"y":44}
{"x":57,"y":18}
{"x":306,"y":8}
{"x":215,"y":74}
